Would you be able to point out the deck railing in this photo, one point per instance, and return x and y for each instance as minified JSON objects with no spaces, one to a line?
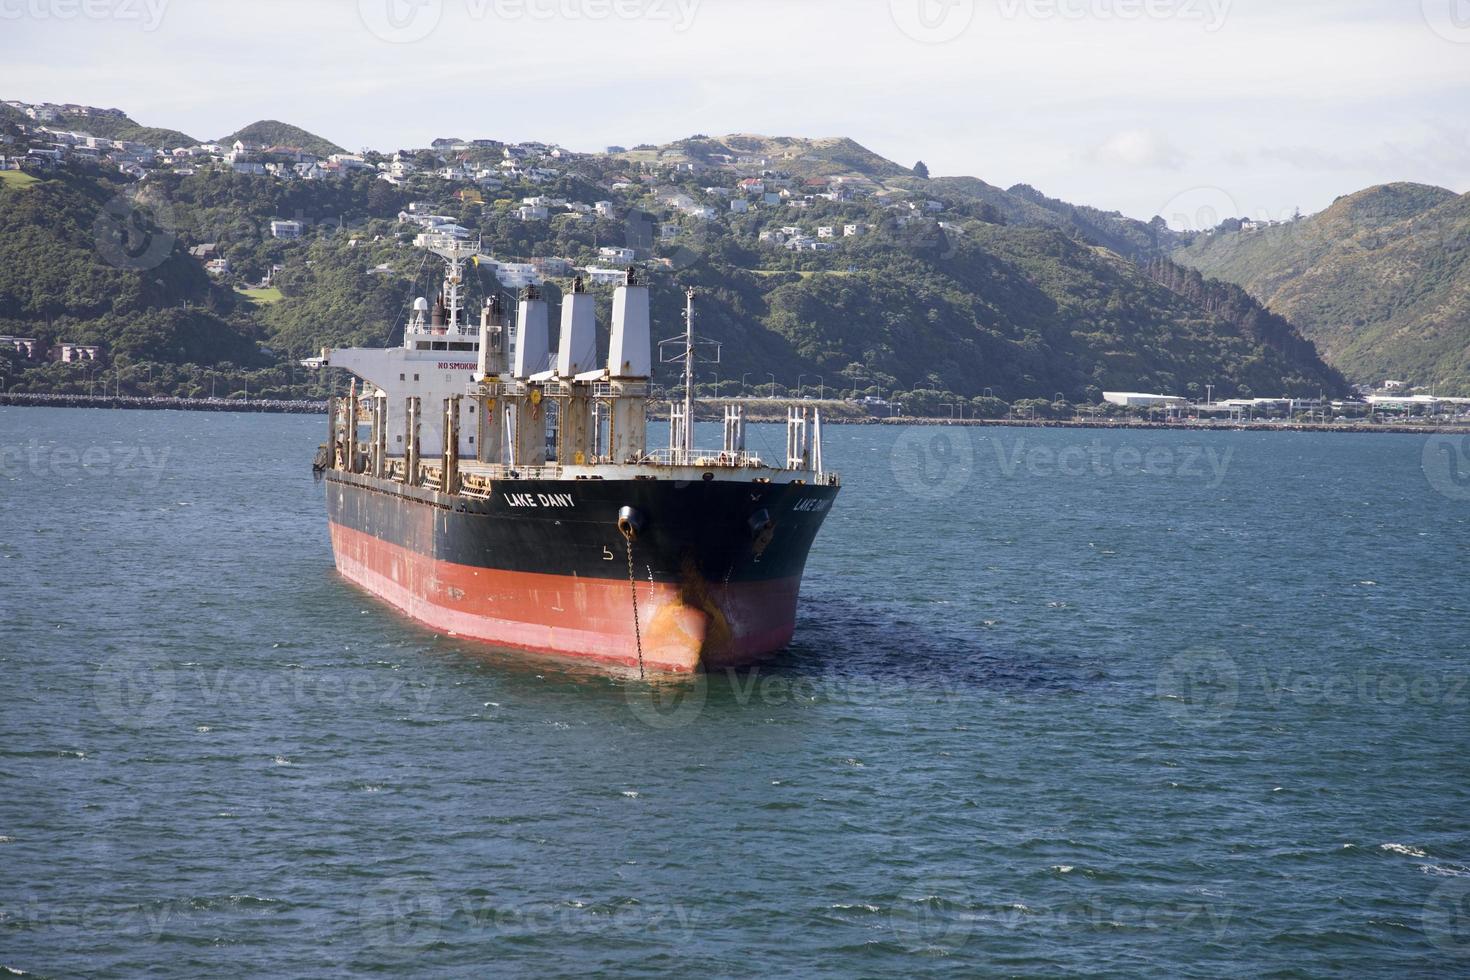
{"x":712,"y":458}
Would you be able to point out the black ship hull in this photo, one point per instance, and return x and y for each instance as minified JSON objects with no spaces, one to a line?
{"x":543,"y":566}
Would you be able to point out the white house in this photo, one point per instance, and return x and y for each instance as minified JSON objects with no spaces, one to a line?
{"x":553,"y":266}
{"x":604,"y":209}
{"x":826,"y":231}
{"x":607,"y":276}
{"x":614,"y":253}
{"x":286,"y":229}
{"x":514,"y":275}
{"x":531,"y":212}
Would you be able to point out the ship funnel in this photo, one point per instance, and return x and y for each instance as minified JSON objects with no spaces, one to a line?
{"x":532,"y":346}
{"x":630,"y":353}
{"x":492,"y":340}
{"x":577,"y":351}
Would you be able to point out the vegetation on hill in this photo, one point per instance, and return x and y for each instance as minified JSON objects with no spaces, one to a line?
{"x":70,"y":251}
{"x":1024,"y":205}
{"x":1011,"y":297}
{"x":804,"y":157}
{"x":270,"y":132}
{"x":1380,"y":281}
{"x":18,"y":179}
{"x":10,"y":118}
{"x":124,"y":128}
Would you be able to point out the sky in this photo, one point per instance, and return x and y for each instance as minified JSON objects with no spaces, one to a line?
{"x":1193,"y":109}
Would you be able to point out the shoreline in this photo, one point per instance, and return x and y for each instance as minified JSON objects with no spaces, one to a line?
{"x":309,"y":407}
{"x":164,"y":403}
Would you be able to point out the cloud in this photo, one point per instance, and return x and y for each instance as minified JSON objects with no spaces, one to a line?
{"x":1140,"y":149}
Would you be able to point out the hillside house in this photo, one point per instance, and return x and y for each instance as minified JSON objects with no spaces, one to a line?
{"x":553,"y":266}
{"x":24,"y":345}
{"x":607,"y":277}
{"x":75,"y":353}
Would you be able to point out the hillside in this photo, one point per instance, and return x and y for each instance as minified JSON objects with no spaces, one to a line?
{"x":803,"y":157}
{"x":1380,"y":281}
{"x":1025,"y":205}
{"x":270,"y":132}
{"x":945,"y":290}
{"x":124,"y":128}
{"x":75,"y":267}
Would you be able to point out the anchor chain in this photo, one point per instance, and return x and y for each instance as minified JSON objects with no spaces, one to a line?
{"x":633,"y":588}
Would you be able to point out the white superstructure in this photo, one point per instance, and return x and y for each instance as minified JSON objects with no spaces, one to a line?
{"x":516,"y":404}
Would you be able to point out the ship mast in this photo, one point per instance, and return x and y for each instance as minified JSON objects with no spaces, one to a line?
{"x":455,"y":252}
{"x":681,"y":418}
{"x":689,"y":370}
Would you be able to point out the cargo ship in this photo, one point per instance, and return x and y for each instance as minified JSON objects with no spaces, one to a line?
{"x":497,"y":489}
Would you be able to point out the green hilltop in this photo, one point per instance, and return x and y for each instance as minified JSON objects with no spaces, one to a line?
{"x":803,"y":157}
{"x":1380,"y":281}
{"x":270,"y":132}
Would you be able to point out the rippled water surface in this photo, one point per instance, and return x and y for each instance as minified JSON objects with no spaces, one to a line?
{"x":1060,"y":701}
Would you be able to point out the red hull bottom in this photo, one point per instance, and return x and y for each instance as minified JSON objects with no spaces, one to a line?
{"x":683,"y":627}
